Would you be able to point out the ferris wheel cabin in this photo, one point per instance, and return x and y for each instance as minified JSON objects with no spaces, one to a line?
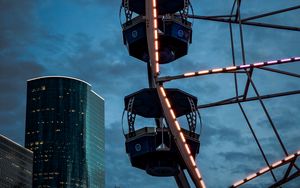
{"x":163,"y":6}
{"x":153,"y":149}
{"x":174,"y":32}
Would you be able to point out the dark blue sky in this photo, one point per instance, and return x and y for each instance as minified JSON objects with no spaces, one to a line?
{"x":82,"y":38}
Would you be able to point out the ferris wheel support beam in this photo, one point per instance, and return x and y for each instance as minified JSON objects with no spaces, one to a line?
{"x":153,"y":49}
{"x":180,"y":140}
{"x":285,"y":180}
{"x":230,"y":69}
{"x":233,"y":100}
{"x":270,"y":13}
{"x":248,"y":84}
{"x":290,"y":159}
{"x":280,"y":72}
{"x":258,"y":24}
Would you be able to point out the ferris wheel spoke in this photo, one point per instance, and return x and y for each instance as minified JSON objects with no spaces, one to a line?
{"x":180,"y":139}
{"x":290,"y":159}
{"x":230,"y":69}
{"x":239,"y":99}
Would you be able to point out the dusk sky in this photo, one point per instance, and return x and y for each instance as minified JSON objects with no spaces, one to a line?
{"x":83,"y":39}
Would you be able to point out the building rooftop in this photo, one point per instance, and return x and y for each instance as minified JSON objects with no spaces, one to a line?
{"x":66,"y":77}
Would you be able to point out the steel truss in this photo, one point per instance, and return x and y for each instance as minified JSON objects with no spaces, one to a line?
{"x":289,"y":160}
{"x":235,"y":18}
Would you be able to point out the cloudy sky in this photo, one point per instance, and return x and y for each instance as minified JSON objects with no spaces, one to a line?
{"x":82,"y":38}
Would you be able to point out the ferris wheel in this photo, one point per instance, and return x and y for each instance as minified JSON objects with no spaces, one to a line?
{"x":159,"y":32}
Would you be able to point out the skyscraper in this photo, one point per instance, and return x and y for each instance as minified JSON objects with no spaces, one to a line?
{"x":65,"y":130}
{"x":15,"y":164}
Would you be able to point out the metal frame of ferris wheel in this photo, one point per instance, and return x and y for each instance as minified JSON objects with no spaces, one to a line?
{"x":157,"y":82}
{"x":235,"y":18}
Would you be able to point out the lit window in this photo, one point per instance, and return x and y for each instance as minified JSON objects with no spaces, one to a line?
{"x":43,"y":87}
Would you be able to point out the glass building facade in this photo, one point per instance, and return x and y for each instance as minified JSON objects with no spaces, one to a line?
{"x":15,"y":165}
{"x":65,"y":130}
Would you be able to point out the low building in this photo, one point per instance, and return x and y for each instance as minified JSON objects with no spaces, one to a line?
{"x":15,"y":165}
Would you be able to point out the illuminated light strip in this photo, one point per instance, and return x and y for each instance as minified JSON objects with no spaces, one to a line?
{"x":250,"y":177}
{"x":286,"y":60}
{"x":168,"y":103}
{"x":154,"y":13}
{"x":264,"y":170}
{"x":155,"y":35}
{"x":203,"y":72}
{"x":258,"y":64}
{"x":155,"y":25}
{"x":198,"y":173}
{"x":238,"y":183}
{"x":272,"y":62}
{"x":173,"y":114}
{"x":245,"y":66}
{"x":276,"y":164}
{"x":231,"y":68}
{"x":192,"y":160}
{"x":217,"y":70}
{"x":227,"y":69}
{"x":190,"y":74}
{"x":156,"y":56}
{"x":163,"y":91}
{"x":156,"y":45}
{"x":177,"y":125}
{"x":187,"y":149}
{"x":289,"y":157}
{"x":182,"y":137}
{"x":202,"y":184}
{"x":157,"y":67}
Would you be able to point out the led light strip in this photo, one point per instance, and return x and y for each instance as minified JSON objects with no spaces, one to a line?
{"x":181,"y":137}
{"x":155,"y":25}
{"x":254,"y":65}
{"x":267,"y":169}
{"x":231,"y":68}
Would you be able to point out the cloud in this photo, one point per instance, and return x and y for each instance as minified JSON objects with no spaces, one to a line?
{"x":112,"y":3}
{"x":29,"y":49}
{"x":17,"y":64}
{"x":12,"y":106}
